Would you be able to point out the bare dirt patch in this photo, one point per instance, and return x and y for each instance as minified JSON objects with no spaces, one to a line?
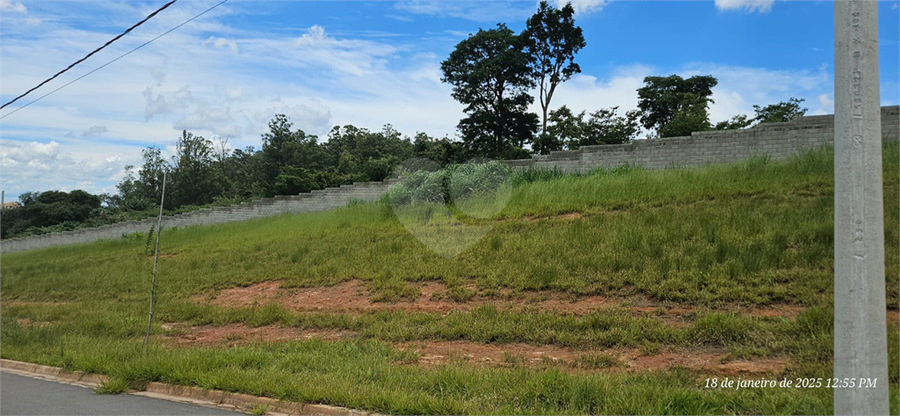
{"x":569,"y":216}
{"x":253,"y":295}
{"x":712,"y":361}
{"x":354,"y":297}
{"x":28,"y":323}
{"x":435,"y":353}
{"x":893,"y":316}
{"x":709,"y":361}
{"x":240,"y":334}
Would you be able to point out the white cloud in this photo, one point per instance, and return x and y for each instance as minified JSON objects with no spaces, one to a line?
{"x":156,"y":104}
{"x":740,"y":88}
{"x":25,"y":152}
{"x":37,"y":166}
{"x":182,"y":97}
{"x":583,"y":6}
{"x":158,"y":73}
{"x":314,"y":35}
{"x":221,"y":43}
{"x":12,"y":6}
{"x":826,"y":105}
{"x":587,"y":92}
{"x":215,"y":119}
{"x":234,"y":93}
{"x":762,"y":6}
{"x":315,"y":49}
{"x":493,"y":11}
{"x":312,"y":116}
{"x":94,"y":131}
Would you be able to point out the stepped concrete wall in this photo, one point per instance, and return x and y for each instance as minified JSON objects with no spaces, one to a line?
{"x":318,"y":200}
{"x":778,"y":140}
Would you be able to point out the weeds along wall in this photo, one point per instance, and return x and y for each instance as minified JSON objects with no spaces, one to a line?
{"x":778,"y":140}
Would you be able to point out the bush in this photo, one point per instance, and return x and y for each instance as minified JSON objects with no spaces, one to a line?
{"x":453,"y":183}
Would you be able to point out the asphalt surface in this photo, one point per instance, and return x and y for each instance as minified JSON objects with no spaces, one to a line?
{"x":20,"y":395}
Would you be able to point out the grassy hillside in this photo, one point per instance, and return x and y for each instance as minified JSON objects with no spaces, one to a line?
{"x":616,"y":268}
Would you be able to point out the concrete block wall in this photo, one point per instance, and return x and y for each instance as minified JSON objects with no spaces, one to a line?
{"x":778,"y":140}
{"x":318,"y":200}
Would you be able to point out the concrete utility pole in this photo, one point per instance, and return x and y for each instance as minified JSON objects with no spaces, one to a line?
{"x":860,"y":335}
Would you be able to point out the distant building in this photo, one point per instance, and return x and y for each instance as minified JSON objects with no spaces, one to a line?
{"x":11,"y":205}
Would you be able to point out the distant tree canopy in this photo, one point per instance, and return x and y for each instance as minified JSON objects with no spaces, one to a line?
{"x":46,"y":209}
{"x":737,"y":122}
{"x":674,"y":106}
{"x":570,"y":131}
{"x":781,"y":112}
{"x":774,"y":113}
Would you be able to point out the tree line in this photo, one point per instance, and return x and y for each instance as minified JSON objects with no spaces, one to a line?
{"x":493,"y":73}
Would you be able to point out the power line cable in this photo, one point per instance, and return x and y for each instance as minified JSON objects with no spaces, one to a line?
{"x":92,"y":53}
{"x":114,"y":60}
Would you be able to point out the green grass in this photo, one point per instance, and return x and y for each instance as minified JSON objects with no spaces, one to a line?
{"x":751,"y":234}
{"x":370,"y":374}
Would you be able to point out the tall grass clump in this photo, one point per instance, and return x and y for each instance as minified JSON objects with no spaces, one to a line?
{"x":450,"y":185}
{"x":525,"y":176}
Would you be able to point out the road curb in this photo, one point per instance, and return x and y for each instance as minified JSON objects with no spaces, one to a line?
{"x":184,"y":394}
{"x":52,"y":373}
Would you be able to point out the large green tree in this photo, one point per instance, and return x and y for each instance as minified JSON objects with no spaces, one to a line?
{"x":664,"y":100}
{"x":194,"y":180}
{"x":142,"y":191}
{"x":551,"y":41}
{"x":491,"y":77}
{"x":283,"y":153}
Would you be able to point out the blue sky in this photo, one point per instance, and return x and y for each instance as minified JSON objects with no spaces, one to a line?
{"x":366,"y":63}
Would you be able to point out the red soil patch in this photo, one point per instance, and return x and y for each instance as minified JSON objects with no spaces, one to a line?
{"x":708,"y":361}
{"x":435,"y":353}
{"x":240,"y":334}
{"x":254,"y":295}
{"x":893,"y":316}
{"x":354,"y":297}
{"x":438,"y":352}
{"x":633,"y":360}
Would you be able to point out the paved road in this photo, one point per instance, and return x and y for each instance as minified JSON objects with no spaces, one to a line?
{"x":20,"y":395}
